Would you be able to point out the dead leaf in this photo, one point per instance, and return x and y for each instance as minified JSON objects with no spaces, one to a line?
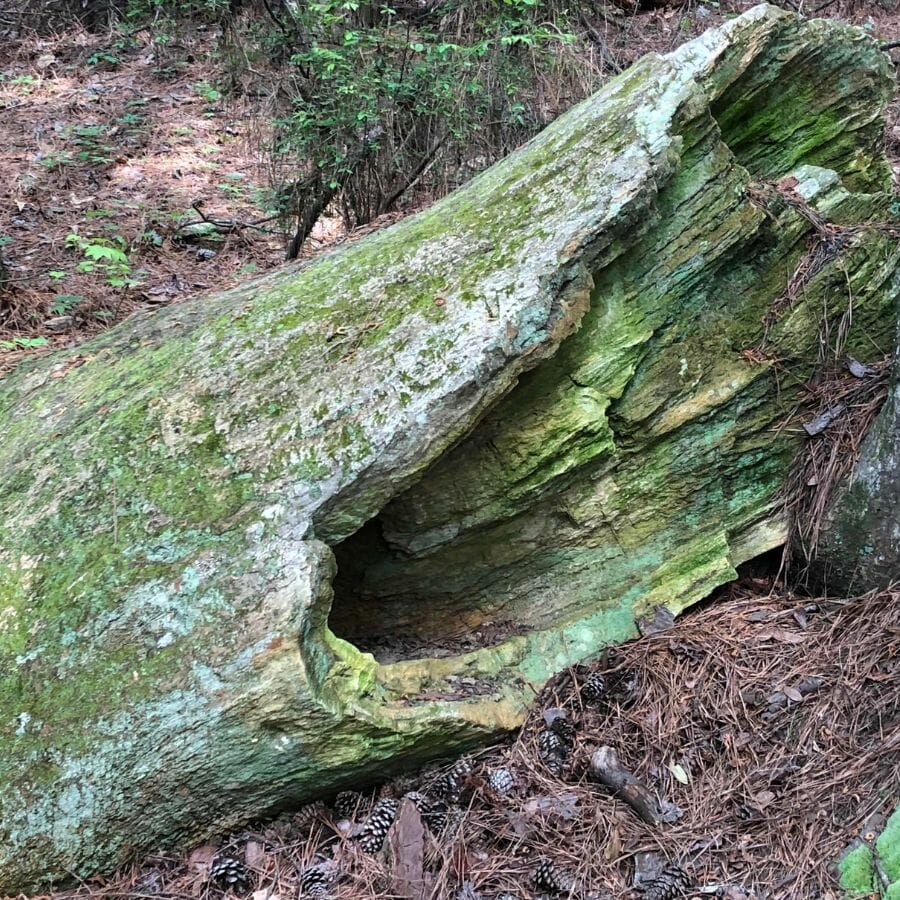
{"x":520,"y":824}
{"x":810,"y":685}
{"x":554,"y":713}
{"x":255,"y":855}
{"x":758,"y":615}
{"x":679,"y":772}
{"x":266,"y":893}
{"x":856,"y":368}
{"x":662,"y":620}
{"x":563,"y":806}
{"x":648,"y":864}
{"x":669,"y":813}
{"x":823,"y":420}
{"x":792,"y":694}
{"x":199,"y":863}
{"x":763,"y":799}
{"x":734,"y":893}
{"x":613,"y":848}
{"x":782,"y":636}
{"x":201,"y":858}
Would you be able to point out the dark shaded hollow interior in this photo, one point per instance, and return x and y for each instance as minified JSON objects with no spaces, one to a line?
{"x":410,"y":626}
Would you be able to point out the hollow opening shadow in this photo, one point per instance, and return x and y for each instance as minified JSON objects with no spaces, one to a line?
{"x":411,"y":625}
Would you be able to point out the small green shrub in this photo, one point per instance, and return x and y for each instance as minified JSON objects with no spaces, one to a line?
{"x":104,"y":255}
{"x":23,"y":343}
{"x":64,"y":304}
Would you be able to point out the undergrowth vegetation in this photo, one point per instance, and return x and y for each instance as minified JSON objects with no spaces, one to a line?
{"x":201,"y":139}
{"x":376,"y":101}
{"x":365,"y":103}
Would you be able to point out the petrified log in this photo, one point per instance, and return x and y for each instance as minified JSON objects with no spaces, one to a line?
{"x":518,"y":420}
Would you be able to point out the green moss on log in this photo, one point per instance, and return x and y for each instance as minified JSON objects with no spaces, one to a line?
{"x":534,"y":391}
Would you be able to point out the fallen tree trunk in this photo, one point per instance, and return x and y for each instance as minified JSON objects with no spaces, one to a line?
{"x":518,"y":421}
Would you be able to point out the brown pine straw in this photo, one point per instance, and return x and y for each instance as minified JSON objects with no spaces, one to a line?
{"x":774,"y":792}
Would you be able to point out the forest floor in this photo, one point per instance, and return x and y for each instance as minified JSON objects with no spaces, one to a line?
{"x":771,"y":720}
{"x":768,"y":725}
{"x":131,"y":179}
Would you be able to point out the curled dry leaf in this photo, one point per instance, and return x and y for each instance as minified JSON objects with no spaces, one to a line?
{"x":856,"y":368}
{"x":255,"y":855}
{"x":562,"y":806}
{"x":782,"y":636}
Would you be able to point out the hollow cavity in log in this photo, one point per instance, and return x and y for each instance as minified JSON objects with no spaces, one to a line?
{"x":597,"y":482}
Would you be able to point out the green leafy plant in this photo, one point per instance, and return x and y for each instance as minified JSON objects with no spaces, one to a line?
{"x":101,"y":213}
{"x":25,"y":82}
{"x":54,"y":161}
{"x":58,"y":274}
{"x":103,"y":255}
{"x":104,"y":58}
{"x":64,"y":303}
{"x":23,"y":343}
{"x":207,"y":92}
{"x":91,"y":149}
{"x":382,"y":103}
{"x":233,"y":186}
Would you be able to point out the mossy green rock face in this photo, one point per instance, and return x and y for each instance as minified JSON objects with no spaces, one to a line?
{"x":528,"y":414}
{"x":859,"y":546}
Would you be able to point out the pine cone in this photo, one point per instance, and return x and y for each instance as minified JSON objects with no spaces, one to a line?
{"x":150,"y":883}
{"x":371,"y":838}
{"x":626,"y":688}
{"x":228,"y":872}
{"x":553,"y":751}
{"x":501,"y":781}
{"x":549,"y":877}
{"x":673,"y":882}
{"x":307,"y":815}
{"x":594,"y":689}
{"x":565,"y":728}
{"x":387,"y":791}
{"x":454,"y":822}
{"x":450,"y":785}
{"x":318,"y":879}
{"x":433,"y":812}
{"x":403,"y":784}
{"x":421,"y":801}
{"x":346,"y":803}
{"x":435,"y":817}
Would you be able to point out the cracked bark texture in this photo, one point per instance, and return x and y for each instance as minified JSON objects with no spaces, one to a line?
{"x":528,"y":406}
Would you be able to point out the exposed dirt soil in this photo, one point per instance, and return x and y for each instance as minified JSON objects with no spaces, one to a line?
{"x":768,"y":725}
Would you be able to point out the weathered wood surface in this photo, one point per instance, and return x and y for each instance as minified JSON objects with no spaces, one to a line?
{"x":607,"y":769}
{"x":545,"y":395}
